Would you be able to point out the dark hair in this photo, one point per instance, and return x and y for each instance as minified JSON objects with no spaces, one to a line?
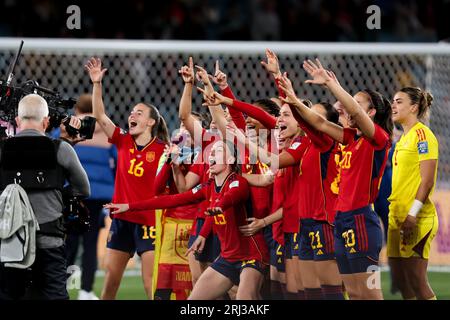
{"x":204,"y":118}
{"x":422,"y":98}
{"x":84,"y":104}
{"x":269,"y":106}
{"x":383,"y":115}
{"x":332,"y":114}
{"x":159,"y":129}
{"x":236,"y":167}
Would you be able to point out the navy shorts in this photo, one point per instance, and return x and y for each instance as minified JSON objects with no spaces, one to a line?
{"x":211,"y":249}
{"x":316,"y":241}
{"x":290,"y":245}
{"x":277,"y":256}
{"x":232,"y":270}
{"x":131,"y":237}
{"x":358,"y":240}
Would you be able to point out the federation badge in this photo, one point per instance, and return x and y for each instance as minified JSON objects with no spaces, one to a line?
{"x":423,"y":147}
{"x":150,"y":156}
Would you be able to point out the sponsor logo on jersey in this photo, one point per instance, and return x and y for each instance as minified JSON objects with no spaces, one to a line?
{"x":423,"y":147}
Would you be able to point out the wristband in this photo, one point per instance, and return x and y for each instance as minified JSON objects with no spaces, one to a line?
{"x":415,"y":208}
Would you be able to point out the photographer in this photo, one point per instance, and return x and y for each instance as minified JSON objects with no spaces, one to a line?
{"x":48,"y":272}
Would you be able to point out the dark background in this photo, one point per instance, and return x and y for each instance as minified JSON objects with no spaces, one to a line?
{"x":278,"y":20}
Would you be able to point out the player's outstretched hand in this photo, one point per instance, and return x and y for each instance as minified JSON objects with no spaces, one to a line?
{"x":272,"y":65}
{"x":115,"y":208}
{"x":212,"y":99}
{"x":187,"y":72}
{"x":219,"y":77}
{"x":286,"y":85}
{"x":94,"y":68}
{"x":317,"y":72}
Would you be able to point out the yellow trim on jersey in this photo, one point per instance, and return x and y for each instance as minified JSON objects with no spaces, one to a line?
{"x":148,"y":144}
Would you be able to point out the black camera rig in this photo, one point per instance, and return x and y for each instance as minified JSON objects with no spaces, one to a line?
{"x":58,"y":107}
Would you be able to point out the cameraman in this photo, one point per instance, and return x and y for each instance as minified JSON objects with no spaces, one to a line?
{"x":48,"y":272}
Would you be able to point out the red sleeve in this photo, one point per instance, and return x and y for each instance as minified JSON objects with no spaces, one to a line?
{"x":115,"y":139}
{"x":161,"y":178}
{"x":280,"y":91}
{"x":298,"y":148}
{"x":207,"y":227}
{"x":321,"y":141}
{"x":238,"y":117}
{"x":197,"y":168}
{"x":170,"y":201}
{"x":228,"y":93}
{"x":349,"y":136}
{"x":255,"y":112}
{"x":238,"y":191}
{"x":380,"y":138}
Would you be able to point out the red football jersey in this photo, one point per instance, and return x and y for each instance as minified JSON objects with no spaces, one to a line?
{"x":231,"y":197}
{"x":362,"y":166}
{"x":277,"y":202}
{"x":135,"y":174}
{"x":317,"y":173}
{"x":261,"y":197}
{"x":289,"y":187}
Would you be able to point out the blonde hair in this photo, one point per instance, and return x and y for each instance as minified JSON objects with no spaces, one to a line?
{"x":33,"y":107}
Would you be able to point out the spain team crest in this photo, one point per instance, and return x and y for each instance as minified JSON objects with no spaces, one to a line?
{"x":150,"y":156}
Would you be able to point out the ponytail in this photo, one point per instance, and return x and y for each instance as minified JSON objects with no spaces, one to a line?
{"x":422,"y":98}
{"x":159,"y":129}
{"x":383,"y":115}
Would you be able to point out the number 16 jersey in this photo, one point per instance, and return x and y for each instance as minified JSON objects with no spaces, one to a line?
{"x":135,"y":175}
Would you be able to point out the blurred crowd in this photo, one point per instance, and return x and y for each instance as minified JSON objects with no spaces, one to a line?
{"x":272,"y":20}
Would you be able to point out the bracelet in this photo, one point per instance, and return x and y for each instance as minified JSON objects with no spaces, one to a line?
{"x":415,"y":208}
{"x":96,"y":82}
{"x":264,"y":221}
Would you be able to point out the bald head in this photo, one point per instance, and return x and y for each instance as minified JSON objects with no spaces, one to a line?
{"x":33,"y":107}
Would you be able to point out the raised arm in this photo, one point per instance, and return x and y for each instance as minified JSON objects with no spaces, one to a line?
{"x":321,"y":76}
{"x":259,"y":180}
{"x":220,"y":79}
{"x":185,"y":108}
{"x":275,"y":161}
{"x":213,"y":105}
{"x":302,"y":113}
{"x":96,"y":73}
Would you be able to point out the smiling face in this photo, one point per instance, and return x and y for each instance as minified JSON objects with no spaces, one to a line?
{"x":139,"y":120}
{"x":402,"y":107}
{"x":219,"y":158}
{"x":288,"y":126}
